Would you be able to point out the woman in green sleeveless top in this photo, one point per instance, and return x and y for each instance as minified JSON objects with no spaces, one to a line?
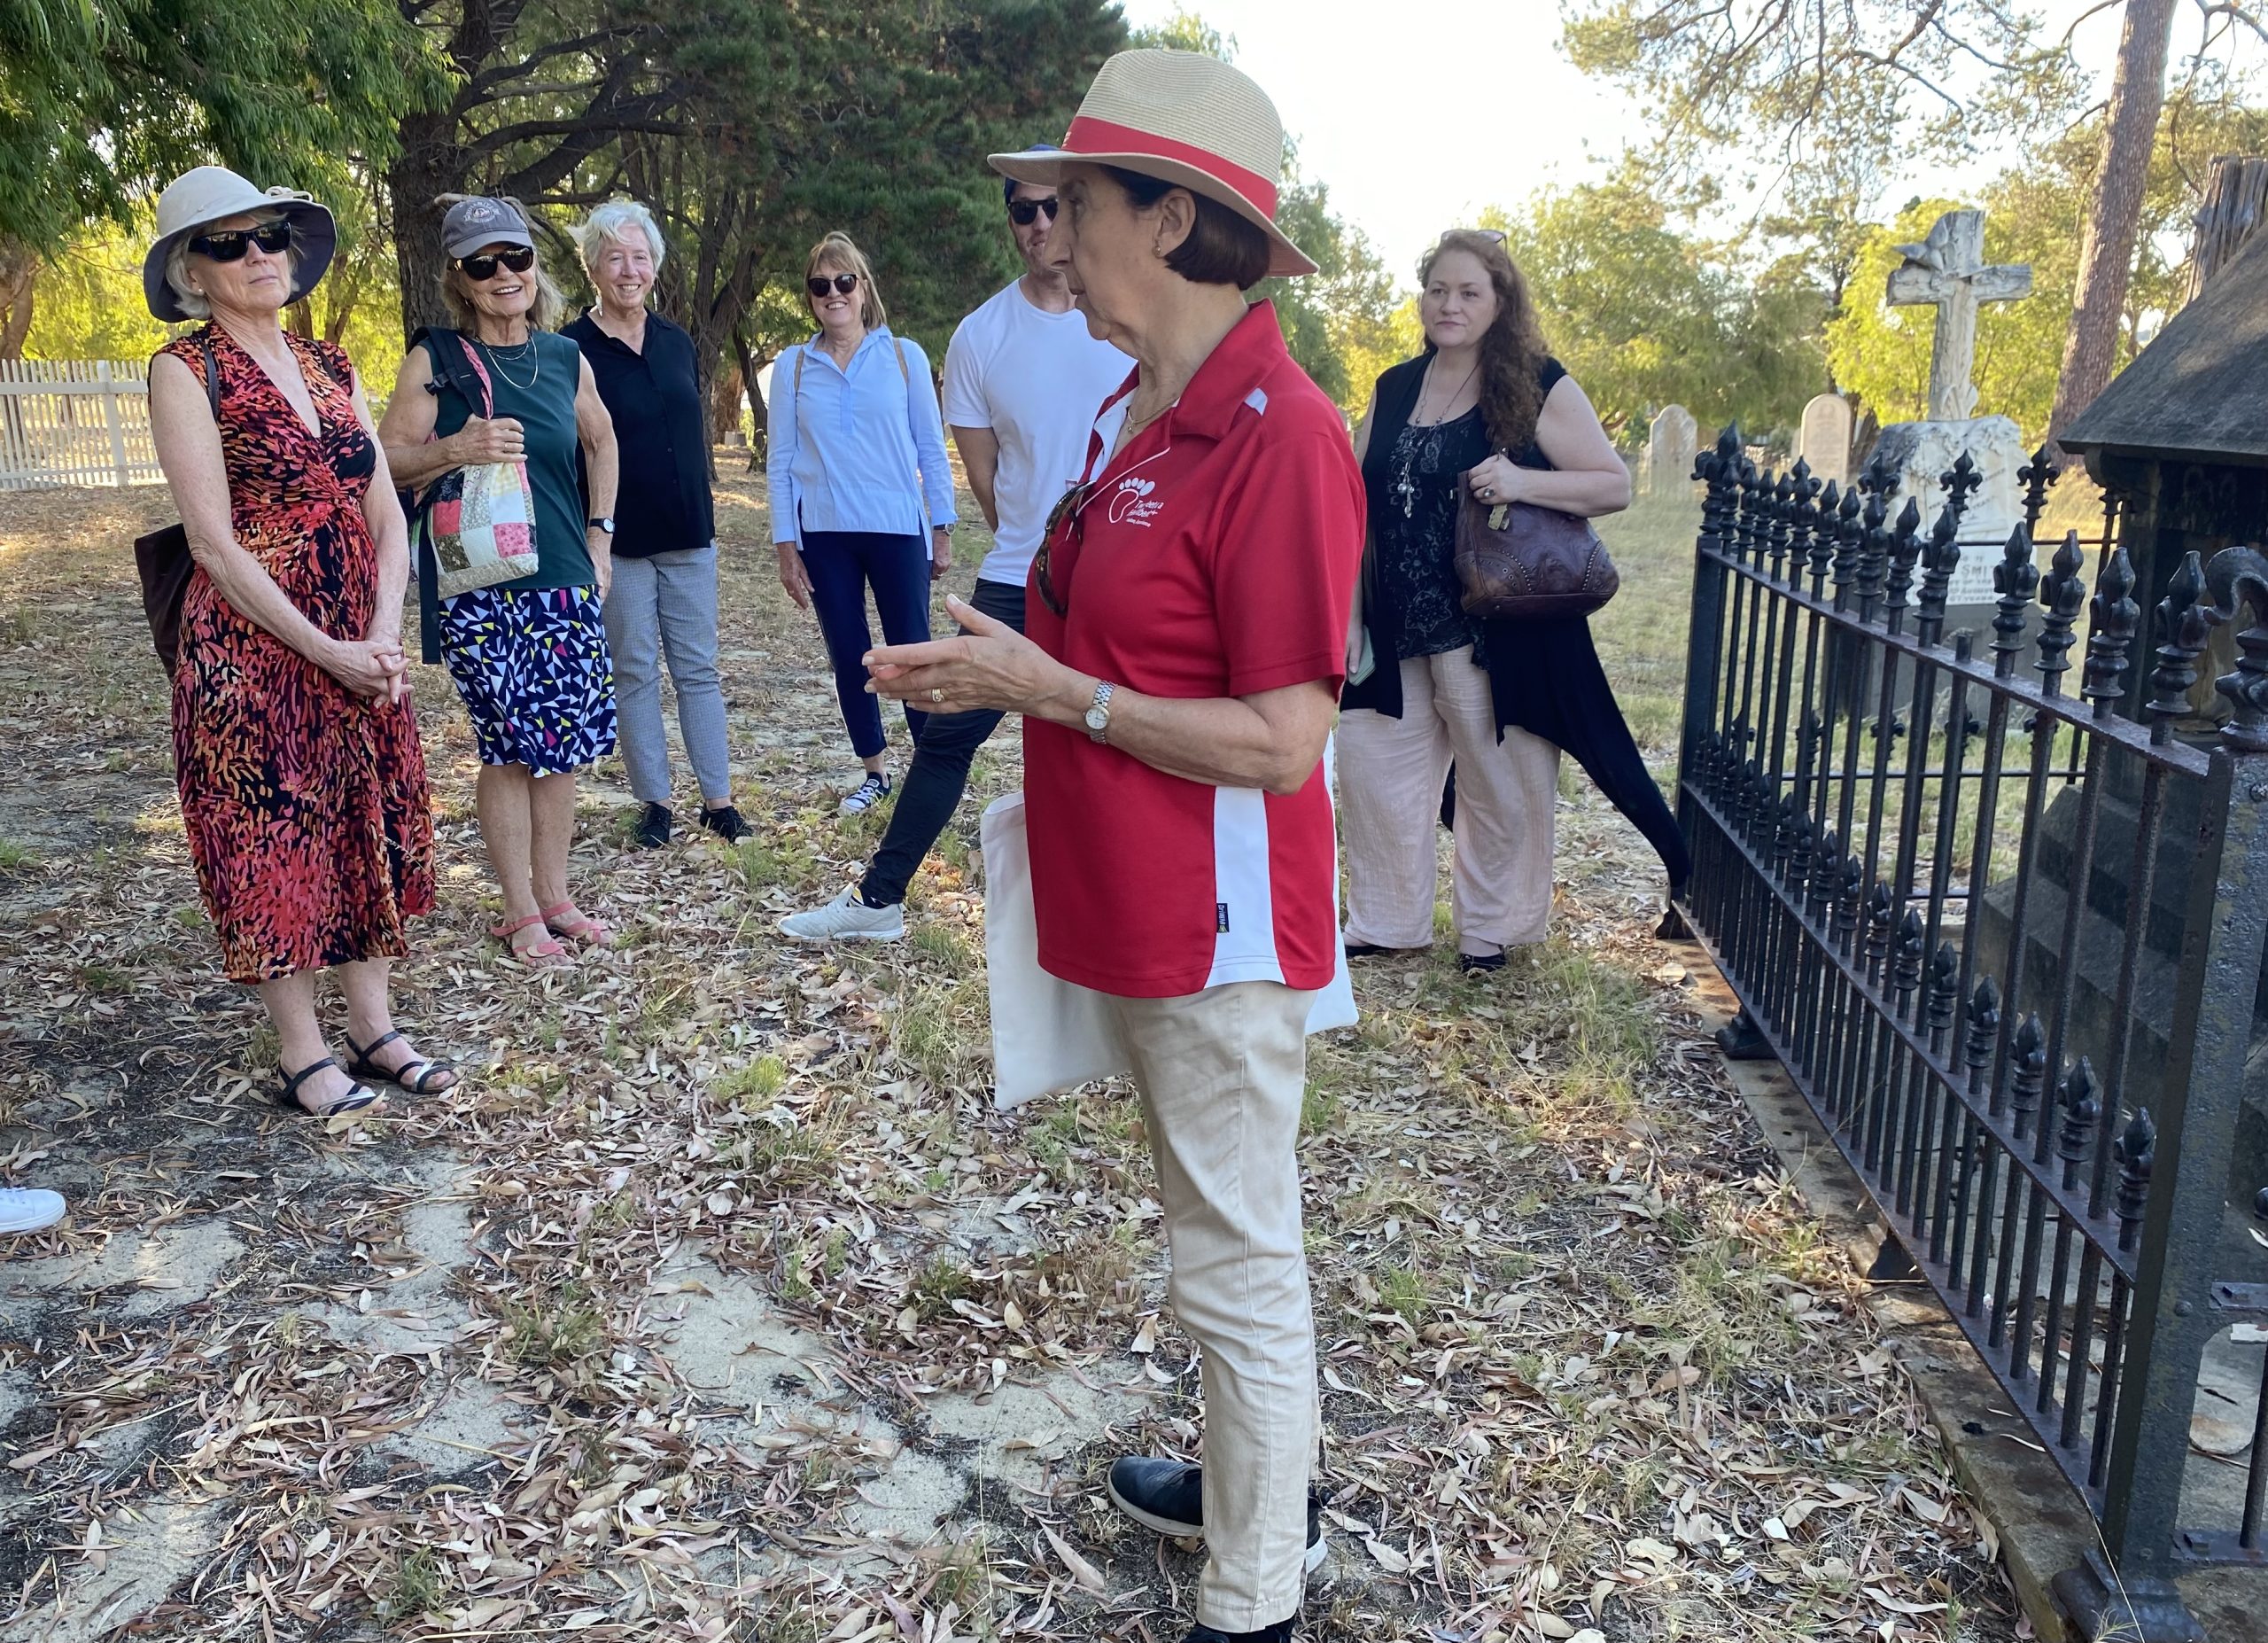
{"x":529,"y":656}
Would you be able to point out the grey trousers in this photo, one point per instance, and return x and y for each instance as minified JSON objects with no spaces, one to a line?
{"x":665,"y":606}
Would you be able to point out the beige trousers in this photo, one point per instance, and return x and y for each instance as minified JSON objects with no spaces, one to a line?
{"x":1223,"y":1074}
{"x":1390,"y":777}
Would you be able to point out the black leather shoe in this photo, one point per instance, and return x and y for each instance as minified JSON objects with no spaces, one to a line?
{"x":1169,"y":1497}
{"x":1478,"y":963}
{"x":653,"y":828}
{"x":1280,"y":1632}
{"x":727,"y":824}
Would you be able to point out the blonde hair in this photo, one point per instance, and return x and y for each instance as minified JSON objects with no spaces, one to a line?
{"x":194,"y":303}
{"x":608,"y":223}
{"x":842,"y":252}
{"x":456,"y":289}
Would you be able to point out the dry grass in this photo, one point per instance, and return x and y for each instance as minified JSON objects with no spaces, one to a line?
{"x":1588,"y":1370}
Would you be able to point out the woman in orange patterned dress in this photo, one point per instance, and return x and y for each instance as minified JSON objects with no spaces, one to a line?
{"x":302,"y":783}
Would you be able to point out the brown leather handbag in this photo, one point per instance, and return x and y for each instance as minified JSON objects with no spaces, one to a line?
{"x":1518,"y":562}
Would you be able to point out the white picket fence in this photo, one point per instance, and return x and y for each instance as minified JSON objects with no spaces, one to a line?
{"x":76,"y":421}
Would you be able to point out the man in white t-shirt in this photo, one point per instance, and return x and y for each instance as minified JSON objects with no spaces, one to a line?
{"x":1023,"y":381}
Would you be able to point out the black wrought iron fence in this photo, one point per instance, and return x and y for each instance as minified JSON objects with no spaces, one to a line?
{"x":2007,"y":940}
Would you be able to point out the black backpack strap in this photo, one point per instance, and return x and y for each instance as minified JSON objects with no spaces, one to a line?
{"x":447,"y":354}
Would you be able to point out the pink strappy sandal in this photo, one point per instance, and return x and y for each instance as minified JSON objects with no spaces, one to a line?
{"x":584,"y":928}
{"x":544,"y":954}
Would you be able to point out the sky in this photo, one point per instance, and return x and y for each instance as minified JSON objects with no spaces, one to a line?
{"x":1415,"y":129}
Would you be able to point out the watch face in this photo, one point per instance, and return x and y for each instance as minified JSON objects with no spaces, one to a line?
{"x":1097,"y":719}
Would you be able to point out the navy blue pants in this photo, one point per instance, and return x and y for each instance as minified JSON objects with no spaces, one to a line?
{"x":842,"y":564}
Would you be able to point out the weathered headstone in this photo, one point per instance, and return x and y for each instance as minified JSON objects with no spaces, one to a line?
{"x":1948,"y":270}
{"x":1824,"y":441}
{"x":1671,"y":443}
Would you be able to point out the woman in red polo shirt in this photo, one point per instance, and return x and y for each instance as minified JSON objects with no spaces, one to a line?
{"x":1186,"y":621}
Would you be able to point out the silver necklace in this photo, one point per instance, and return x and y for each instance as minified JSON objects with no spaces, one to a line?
{"x":524,"y":351}
{"x":1425,"y":387}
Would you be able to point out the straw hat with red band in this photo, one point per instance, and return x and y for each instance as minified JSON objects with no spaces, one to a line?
{"x":1189,"y":119}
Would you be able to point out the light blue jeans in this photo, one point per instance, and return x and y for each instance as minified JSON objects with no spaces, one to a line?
{"x":665,"y":606}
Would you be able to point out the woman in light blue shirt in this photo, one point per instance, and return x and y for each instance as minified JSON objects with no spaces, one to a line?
{"x":861,"y":493}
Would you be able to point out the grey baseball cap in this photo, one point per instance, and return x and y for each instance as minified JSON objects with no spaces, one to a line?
{"x":472,"y":223}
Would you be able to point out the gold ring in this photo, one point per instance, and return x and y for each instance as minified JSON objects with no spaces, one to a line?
{"x":936,"y":695}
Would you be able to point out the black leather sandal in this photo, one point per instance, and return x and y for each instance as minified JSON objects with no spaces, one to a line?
{"x":415,"y":1075}
{"x":354,"y":1100}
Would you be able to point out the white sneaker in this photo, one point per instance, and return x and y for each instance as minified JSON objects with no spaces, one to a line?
{"x":846,"y":918}
{"x":28,"y":1210}
{"x":867,"y":795}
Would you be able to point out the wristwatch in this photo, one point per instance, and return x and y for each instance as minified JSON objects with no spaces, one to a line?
{"x":1099,"y":714}
{"x":601,"y":522}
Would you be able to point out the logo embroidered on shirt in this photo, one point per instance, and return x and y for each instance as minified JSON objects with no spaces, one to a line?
{"x":1132,"y":502}
{"x":1220,"y":917}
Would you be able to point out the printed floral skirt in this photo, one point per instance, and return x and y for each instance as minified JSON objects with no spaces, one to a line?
{"x":532,"y":667}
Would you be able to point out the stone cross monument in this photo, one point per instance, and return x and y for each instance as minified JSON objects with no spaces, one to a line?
{"x":1949,"y":270}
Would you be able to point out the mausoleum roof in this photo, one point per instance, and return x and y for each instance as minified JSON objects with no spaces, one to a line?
{"x":2194,"y":394}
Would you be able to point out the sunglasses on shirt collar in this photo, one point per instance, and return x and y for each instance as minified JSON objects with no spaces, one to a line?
{"x":482,"y":269}
{"x":230,"y":244}
{"x":1021,"y":212}
{"x":819,"y":285}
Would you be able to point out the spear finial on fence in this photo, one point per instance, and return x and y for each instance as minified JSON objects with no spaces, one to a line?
{"x":2238,"y":578}
{"x":1939,"y":560}
{"x":1960,"y":482}
{"x":2016,"y":579}
{"x":1874,"y":554}
{"x":1823,"y":535}
{"x":2137,"y":1150}
{"x":1748,"y":530}
{"x":2115,"y":616}
{"x":1826,"y":873}
{"x":1906,"y":970}
{"x":1984,"y":1031}
{"x":2036,"y":476}
{"x":1716,"y":469}
{"x":2028,"y":1056}
{"x":1848,"y":896}
{"x":1879,"y":919}
{"x":1944,"y":987}
{"x":2062,"y":595}
{"x":2185,"y":622}
{"x":1905,"y":549}
{"x":1849,"y":534}
{"x":2080,"y":1114}
{"x":1799,"y":847}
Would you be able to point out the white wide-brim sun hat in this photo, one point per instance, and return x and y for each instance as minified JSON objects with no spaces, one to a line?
{"x":1189,"y":119}
{"x":213,"y":193}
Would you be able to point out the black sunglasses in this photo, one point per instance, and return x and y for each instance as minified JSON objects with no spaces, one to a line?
{"x":482,"y":269}
{"x":819,"y":285}
{"x":1065,"y":511}
{"x":1020,"y":211}
{"x":230,"y":244}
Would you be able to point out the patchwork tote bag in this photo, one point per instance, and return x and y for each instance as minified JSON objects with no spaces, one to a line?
{"x":477,"y":522}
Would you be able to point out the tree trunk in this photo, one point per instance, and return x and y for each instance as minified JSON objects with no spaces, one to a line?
{"x":2115,"y":209}
{"x":725,"y":407}
{"x":431,"y":163}
{"x":2236,"y":198}
{"x":759,"y":414}
{"x":18,"y":279}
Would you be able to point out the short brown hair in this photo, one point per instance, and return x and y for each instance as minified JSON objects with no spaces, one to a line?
{"x":1223,"y":248}
{"x":456,"y":292}
{"x":841,"y":250}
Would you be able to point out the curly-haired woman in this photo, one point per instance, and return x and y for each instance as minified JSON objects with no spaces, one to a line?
{"x":1485,"y":407}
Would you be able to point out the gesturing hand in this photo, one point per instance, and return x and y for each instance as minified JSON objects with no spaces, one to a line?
{"x":941,"y":554}
{"x":485,"y":441}
{"x":990,"y":666}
